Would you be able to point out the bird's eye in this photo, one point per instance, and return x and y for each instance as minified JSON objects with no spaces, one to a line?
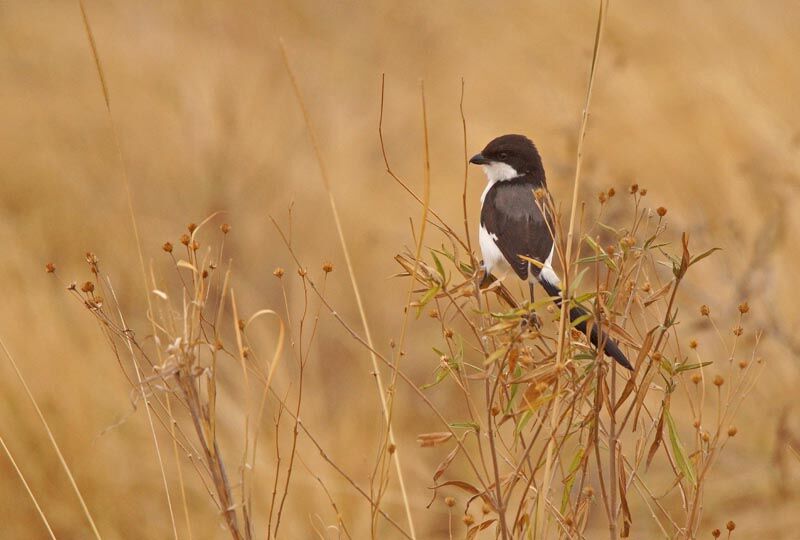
{"x":503,"y":155}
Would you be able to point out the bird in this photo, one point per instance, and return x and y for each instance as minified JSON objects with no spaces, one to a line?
{"x":515,"y":226}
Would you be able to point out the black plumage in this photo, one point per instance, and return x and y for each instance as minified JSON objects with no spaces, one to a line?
{"x":514,"y":224}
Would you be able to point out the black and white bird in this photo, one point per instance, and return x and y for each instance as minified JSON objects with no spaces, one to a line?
{"x":515,"y":225}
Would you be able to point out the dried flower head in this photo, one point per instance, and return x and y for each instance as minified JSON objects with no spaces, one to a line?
{"x":391,"y":448}
{"x":643,"y":192}
{"x":730,"y":525}
{"x":661,"y":211}
{"x":167,"y":247}
{"x":204,"y":275}
{"x":627,"y":242}
{"x":225,"y":228}
{"x":738,"y":331}
{"x":185,"y":239}
{"x":633,"y":189}
{"x":693,"y":344}
{"x":705,"y":436}
{"x":696,"y":378}
{"x":588,"y":491}
{"x":87,"y":287}
{"x":611,"y":249}
{"x":696,"y":423}
{"x":192,"y":227}
{"x":468,"y":519}
{"x":278,"y":272}
{"x":448,"y":333}
{"x":327,"y":267}
{"x":433,"y":313}
{"x":705,"y":311}
{"x":302,"y":272}
{"x":486,"y":508}
{"x":732,"y":431}
{"x":539,"y":193}
{"x":50,"y":268}
{"x":195,"y":245}
{"x":602,"y":197}
{"x":450,"y":501}
{"x":718,"y":380}
{"x":743,"y":364}
{"x":611,"y":192}
{"x":716,"y":533}
{"x":647,"y":287}
{"x":744,"y":308}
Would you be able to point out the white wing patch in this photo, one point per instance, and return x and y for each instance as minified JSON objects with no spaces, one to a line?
{"x":493,"y":260}
{"x":547,"y":273}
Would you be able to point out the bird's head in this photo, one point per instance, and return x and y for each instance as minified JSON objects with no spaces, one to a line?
{"x":510,"y":156}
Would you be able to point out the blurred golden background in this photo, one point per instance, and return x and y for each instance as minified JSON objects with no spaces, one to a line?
{"x":696,"y":101}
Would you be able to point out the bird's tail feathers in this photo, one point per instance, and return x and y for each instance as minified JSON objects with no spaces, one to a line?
{"x":550,"y":285}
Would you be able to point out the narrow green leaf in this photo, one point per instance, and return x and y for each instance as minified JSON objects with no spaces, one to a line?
{"x":683,"y":462}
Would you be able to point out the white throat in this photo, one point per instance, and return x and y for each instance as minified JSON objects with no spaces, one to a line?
{"x":497,"y":171}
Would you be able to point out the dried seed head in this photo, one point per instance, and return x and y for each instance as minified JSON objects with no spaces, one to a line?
{"x":301,"y":272}
{"x":611,"y":249}
{"x":611,"y":192}
{"x":486,"y":508}
{"x":468,"y":519}
{"x":87,"y":287}
{"x":627,"y":242}
{"x":743,"y":364}
{"x":391,"y":448}
{"x":495,"y":410}
{"x":50,"y":268}
{"x":588,"y":491}
{"x":450,"y":501}
{"x":245,"y":352}
{"x":602,"y":197}
{"x":705,"y":311}
{"x":643,"y":192}
{"x":218,"y":345}
{"x":167,"y":247}
{"x":192,"y":227}
{"x":72,"y":286}
{"x":278,"y":272}
{"x":718,"y":380}
{"x":696,"y":378}
{"x":433,"y":313}
{"x":633,"y":189}
{"x":693,"y":344}
{"x":204,"y":274}
{"x":730,"y":525}
{"x":661,"y":211}
{"x":696,"y":423}
{"x":241,"y":324}
{"x":327,"y":267}
{"x":732,"y":431}
{"x":744,"y":308}
{"x":92,"y":259}
{"x":738,"y":331}
{"x":706,"y":437}
{"x":185,"y":239}
{"x":657,"y":356}
{"x":448,"y":333}
{"x":225,"y":228}
{"x":392,"y":344}
{"x":568,"y":521}
{"x":647,"y":287}
{"x":195,"y":246}
{"x":715,"y":533}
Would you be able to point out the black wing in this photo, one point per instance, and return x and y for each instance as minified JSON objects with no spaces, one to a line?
{"x":511,"y":213}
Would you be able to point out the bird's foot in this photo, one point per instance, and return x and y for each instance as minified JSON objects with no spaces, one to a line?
{"x":532,"y":319}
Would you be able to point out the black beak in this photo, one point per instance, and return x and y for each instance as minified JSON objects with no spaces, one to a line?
{"x":478,"y":159}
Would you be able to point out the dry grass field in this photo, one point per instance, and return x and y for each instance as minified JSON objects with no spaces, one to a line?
{"x":694,"y":101}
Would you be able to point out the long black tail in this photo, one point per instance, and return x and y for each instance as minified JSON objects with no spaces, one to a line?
{"x":611,"y":347}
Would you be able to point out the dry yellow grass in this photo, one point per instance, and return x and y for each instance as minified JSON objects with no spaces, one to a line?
{"x":697,"y":103}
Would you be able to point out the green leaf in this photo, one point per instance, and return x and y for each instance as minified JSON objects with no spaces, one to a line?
{"x":683,"y":462}
{"x":427,"y":298}
{"x":688,"y":367}
{"x":472,"y":426}
{"x":439,"y":267}
{"x":698,"y":258}
{"x":573,"y":468}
